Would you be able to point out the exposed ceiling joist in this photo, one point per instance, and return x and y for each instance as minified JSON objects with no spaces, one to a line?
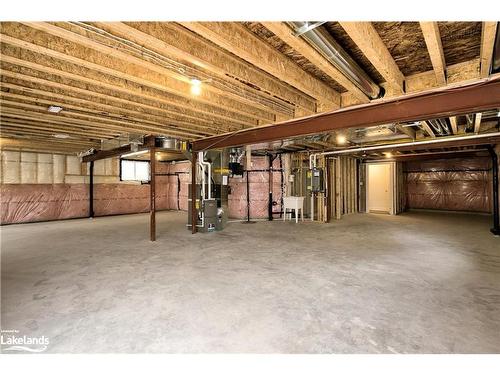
{"x":173,"y":82}
{"x":236,"y":39}
{"x":50,"y":86}
{"x":427,"y":129}
{"x":477,"y":122}
{"x":282,"y":31}
{"x":435,"y":48}
{"x":488,"y":34}
{"x":175,"y":41}
{"x":369,"y":42}
{"x":406,"y":130}
{"x":454,"y":126}
{"x":222,"y":115}
{"x":108,"y":111}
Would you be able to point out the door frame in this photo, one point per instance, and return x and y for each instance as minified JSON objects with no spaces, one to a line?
{"x":392,"y":176}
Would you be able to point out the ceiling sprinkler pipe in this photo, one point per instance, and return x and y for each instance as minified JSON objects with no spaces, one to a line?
{"x":323,"y":42}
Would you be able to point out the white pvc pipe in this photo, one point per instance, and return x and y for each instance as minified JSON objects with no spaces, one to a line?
{"x":202,"y":166}
{"x":204,"y":163}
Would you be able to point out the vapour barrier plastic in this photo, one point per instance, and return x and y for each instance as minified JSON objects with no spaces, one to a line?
{"x":450,"y":184}
{"x":23,"y":203}
{"x":259,"y":191}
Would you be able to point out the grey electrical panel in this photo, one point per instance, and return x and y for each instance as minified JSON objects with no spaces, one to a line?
{"x":316,"y":180}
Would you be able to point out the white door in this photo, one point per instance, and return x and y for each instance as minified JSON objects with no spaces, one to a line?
{"x":379,"y":189}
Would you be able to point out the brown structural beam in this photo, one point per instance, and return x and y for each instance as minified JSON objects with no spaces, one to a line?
{"x":152,"y":194}
{"x":474,"y":97}
{"x":115,"y":152}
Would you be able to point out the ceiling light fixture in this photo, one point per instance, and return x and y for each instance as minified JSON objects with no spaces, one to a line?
{"x":341,"y":139}
{"x":54,"y":109}
{"x":388,"y":155}
{"x":195,"y":86}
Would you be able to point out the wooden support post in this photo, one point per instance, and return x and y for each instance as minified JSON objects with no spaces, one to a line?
{"x":152,"y":195}
{"x":91,"y":189}
{"x":194,"y":211}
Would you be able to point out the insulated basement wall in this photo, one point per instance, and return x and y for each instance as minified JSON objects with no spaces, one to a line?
{"x":450,"y":184}
{"x":43,"y":187}
{"x":259,"y":190}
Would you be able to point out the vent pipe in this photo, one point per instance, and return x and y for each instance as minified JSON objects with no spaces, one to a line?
{"x":322,"y":41}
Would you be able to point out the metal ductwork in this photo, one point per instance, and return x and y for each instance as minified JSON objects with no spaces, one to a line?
{"x":322,"y":41}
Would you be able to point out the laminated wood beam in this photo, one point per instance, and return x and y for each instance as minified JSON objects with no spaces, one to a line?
{"x":282,"y":31}
{"x":488,"y":33}
{"x":243,"y":43}
{"x":472,"y":97}
{"x":435,"y":48}
{"x":369,"y":42}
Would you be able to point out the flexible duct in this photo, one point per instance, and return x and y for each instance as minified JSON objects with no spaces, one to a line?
{"x":321,"y":40}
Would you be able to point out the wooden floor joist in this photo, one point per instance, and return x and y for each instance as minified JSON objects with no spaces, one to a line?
{"x":240,"y":41}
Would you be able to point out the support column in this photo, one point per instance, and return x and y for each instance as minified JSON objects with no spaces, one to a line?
{"x":91,"y":189}
{"x":270,"y":178}
{"x":194,"y":212}
{"x":496,"y":221}
{"x":152,"y":194}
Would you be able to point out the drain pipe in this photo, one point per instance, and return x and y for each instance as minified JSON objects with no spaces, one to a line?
{"x":496,"y":221}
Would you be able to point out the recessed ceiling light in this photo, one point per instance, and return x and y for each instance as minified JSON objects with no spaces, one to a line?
{"x":61,"y":136}
{"x":54,"y":109}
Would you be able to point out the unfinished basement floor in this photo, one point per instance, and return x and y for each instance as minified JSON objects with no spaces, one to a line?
{"x":413,"y":283}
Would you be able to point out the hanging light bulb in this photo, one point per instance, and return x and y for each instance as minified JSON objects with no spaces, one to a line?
{"x":195,"y":86}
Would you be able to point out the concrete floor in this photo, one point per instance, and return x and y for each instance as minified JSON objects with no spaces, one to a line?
{"x":414,"y":283}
